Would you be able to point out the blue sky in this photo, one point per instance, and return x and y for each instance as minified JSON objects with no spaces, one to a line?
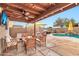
{"x":71,"y":13}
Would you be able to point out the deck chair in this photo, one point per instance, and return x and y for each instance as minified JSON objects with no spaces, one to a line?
{"x":11,"y":43}
{"x":42,"y":39}
{"x":30,"y":44}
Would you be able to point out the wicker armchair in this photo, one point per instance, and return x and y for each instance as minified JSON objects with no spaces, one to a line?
{"x":42,"y":39}
{"x":11,"y":45}
{"x":30,"y":44}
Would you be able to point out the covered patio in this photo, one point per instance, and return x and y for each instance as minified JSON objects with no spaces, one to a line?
{"x":30,"y":41}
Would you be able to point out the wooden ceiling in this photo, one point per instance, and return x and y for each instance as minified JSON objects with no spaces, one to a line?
{"x":32,"y":12}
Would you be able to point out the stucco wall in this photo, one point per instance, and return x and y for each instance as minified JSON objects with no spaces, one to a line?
{"x":64,"y":30}
{"x":2,"y":31}
{"x":2,"y":35}
{"x":14,"y":31}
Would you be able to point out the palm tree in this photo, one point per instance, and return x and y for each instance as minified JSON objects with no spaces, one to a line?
{"x":73,"y":21}
{"x":67,"y":21}
{"x":63,"y":22}
{"x":59,"y":22}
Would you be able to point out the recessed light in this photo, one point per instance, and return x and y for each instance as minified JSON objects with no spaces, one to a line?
{"x":27,"y":13}
{"x":26,"y":17}
{"x":31,"y":16}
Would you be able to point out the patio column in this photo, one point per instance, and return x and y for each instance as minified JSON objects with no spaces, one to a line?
{"x":0,"y":19}
{"x":34,"y":29}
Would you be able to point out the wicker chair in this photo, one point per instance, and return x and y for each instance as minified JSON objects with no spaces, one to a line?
{"x":11,"y":45}
{"x":30,"y":43}
{"x":42,"y":39}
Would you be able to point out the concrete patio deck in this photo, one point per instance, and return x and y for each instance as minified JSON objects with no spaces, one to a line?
{"x":40,"y":51}
{"x":56,"y":46}
{"x":63,"y":45}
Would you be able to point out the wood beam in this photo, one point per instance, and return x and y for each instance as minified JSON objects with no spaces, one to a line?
{"x":38,"y":7}
{"x":11,"y":9}
{"x":22,"y":7}
{"x":52,"y":8}
{"x":57,"y":6}
{"x":17,"y":19}
{"x":18,"y":15}
{"x":46,"y":5}
{"x":32,"y":7}
{"x":13,"y":13}
{"x":53,"y":12}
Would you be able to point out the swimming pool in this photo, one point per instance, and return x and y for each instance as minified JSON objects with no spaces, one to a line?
{"x":70,"y":35}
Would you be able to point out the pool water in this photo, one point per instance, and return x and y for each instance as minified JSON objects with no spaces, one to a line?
{"x":70,"y":35}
